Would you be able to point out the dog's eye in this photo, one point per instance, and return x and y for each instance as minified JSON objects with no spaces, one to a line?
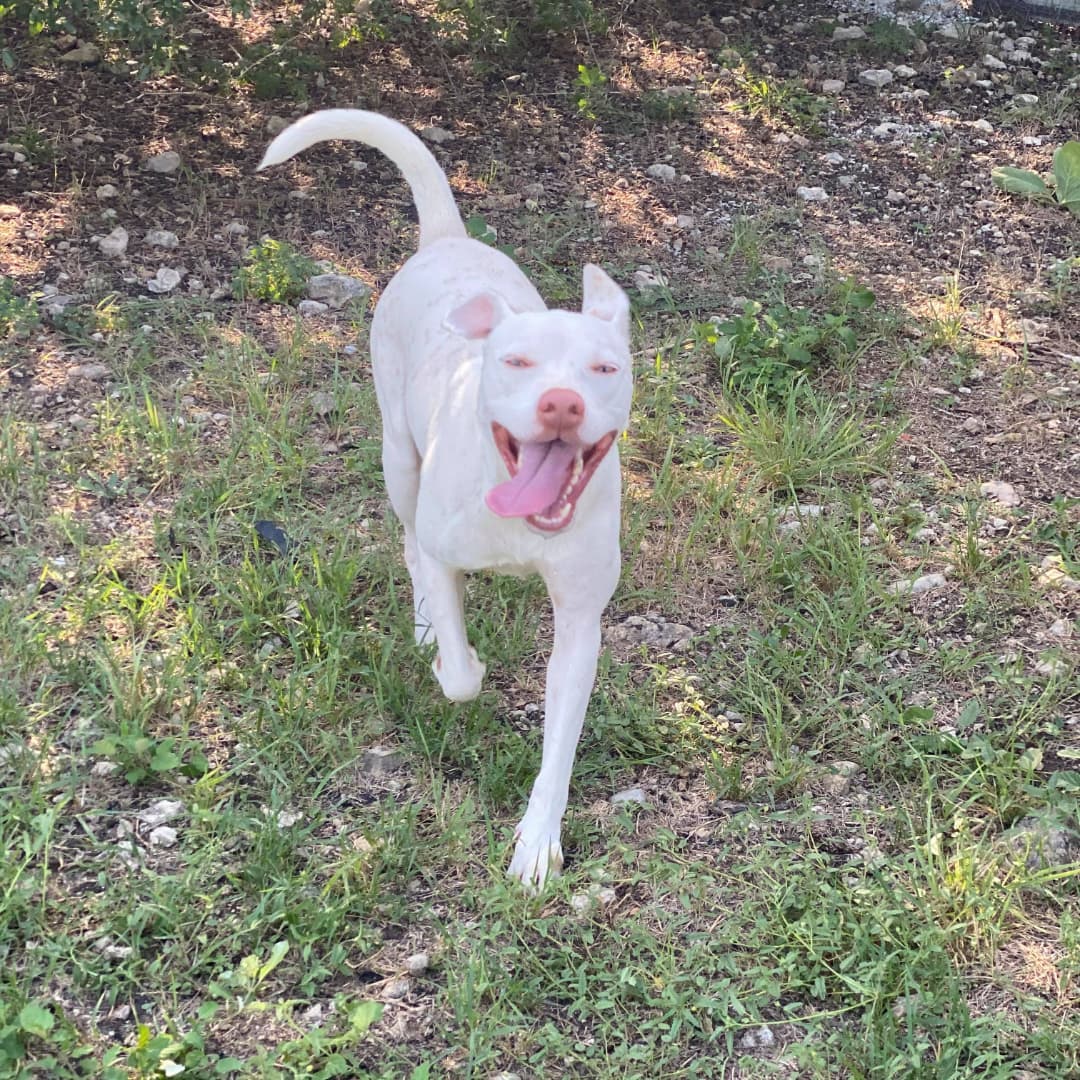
{"x":517,"y":361}
{"x":604,"y":369}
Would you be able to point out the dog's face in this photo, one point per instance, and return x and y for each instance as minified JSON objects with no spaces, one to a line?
{"x":555,"y":391}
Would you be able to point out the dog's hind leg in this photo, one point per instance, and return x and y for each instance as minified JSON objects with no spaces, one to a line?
{"x":401,"y":471}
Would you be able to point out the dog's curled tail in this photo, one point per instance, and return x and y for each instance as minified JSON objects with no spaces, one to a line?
{"x":435,"y":206}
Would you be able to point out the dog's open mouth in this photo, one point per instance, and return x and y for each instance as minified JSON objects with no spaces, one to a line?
{"x":546,"y":478}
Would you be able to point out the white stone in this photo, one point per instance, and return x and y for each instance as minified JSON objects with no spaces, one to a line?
{"x":337,"y":290}
{"x":418,"y":963}
{"x":164,"y":281}
{"x":902,"y":71}
{"x":115,"y":244}
{"x":275,"y":125}
{"x":630,"y":795}
{"x":876,"y":77}
{"x":993,"y":63}
{"x":161,"y":238}
{"x":832,"y":86}
{"x":812,"y":194}
{"x":848,"y":33}
{"x":106,"y":191}
{"x":917,"y":586}
{"x":163,"y":836}
{"x":436,"y":135}
{"x":661,"y":171}
{"x":1025,"y":99}
{"x":168,"y":161}
{"x":1000,"y":491}
{"x":162,"y":811}
{"x":308,"y":309}
{"x":983,"y":125}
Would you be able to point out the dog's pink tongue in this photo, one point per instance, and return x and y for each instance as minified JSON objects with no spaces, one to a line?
{"x":541,"y":474}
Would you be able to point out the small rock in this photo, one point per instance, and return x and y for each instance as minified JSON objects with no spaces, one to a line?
{"x":533,"y":191}
{"x":92,"y":372}
{"x":106,"y":191}
{"x":630,"y":795}
{"x":161,"y":238}
{"x":1051,"y":667}
{"x":837,"y":780}
{"x":1061,"y":628}
{"x":812,"y":194}
{"x":418,"y":963}
{"x":917,"y":586}
{"x":661,"y":171}
{"x":802,"y":510}
{"x":160,"y":812}
{"x":337,"y":290}
{"x":685,"y":221}
{"x":310,"y":309}
{"x":275,"y":125}
{"x":833,"y":157}
{"x":973,"y":425}
{"x":902,"y":71}
{"x":848,"y":33}
{"x":323,"y":402}
{"x":595,"y":894}
{"x":286,"y":819}
{"x":876,"y":77}
{"x":436,"y":135}
{"x":381,"y":759}
{"x":992,"y":63}
{"x":397,"y":988}
{"x":164,"y":836}
{"x":1050,"y":574}
{"x":164,"y":281}
{"x":1025,"y":99}
{"x":165,"y":163}
{"x":1045,"y":839}
{"x":925,"y":536}
{"x":115,"y":244}
{"x":1001,"y":492}
{"x":983,"y":125}
{"x":86,"y":53}
{"x":896,"y":198}
{"x":236,"y":228}
{"x":776,"y":263}
{"x":949,"y":31}
{"x":759,"y":1039}
{"x":103,"y":769}
{"x":833,"y":86}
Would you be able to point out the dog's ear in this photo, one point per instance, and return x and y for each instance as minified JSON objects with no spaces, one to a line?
{"x":476,"y":318}
{"x":603,"y":299}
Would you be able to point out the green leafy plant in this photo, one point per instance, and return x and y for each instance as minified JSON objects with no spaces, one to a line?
{"x":668,"y":105}
{"x":1063,"y":186}
{"x":274,"y":271}
{"x":590,"y":88}
{"x":763,"y":350}
{"x":18,"y":315}
{"x":142,"y":756}
{"x":779,"y":100}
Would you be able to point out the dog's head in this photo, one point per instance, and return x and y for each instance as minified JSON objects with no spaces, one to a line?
{"x":555,"y":390}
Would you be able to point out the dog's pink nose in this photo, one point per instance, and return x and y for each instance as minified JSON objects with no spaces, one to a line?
{"x":560,"y":409}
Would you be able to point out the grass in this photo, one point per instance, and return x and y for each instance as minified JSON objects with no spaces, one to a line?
{"x":155,"y":645}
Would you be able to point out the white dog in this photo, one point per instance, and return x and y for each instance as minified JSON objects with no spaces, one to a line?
{"x":500,"y":423}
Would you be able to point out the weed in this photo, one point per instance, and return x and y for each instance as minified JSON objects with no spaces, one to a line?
{"x":590,"y":88}
{"x":1064,"y":188}
{"x":779,"y":100}
{"x":763,"y":350}
{"x":18,"y":314}
{"x":274,"y":271}
{"x":668,"y":105}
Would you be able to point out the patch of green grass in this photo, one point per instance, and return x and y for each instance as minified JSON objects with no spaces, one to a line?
{"x":146,"y":625}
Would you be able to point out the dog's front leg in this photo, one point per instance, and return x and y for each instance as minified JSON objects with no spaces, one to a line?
{"x":456,"y":666}
{"x":570,"y":675}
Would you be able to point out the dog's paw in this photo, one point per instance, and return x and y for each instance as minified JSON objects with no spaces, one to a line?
{"x":537,"y":857}
{"x":460,"y":684}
